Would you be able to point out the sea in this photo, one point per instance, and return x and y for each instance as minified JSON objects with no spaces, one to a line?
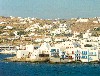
{"x":46,"y":69}
{"x":50,"y":9}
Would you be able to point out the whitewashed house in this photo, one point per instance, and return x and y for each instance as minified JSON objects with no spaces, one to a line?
{"x":75,"y":34}
{"x":93,"y":55}
{"x":26,"y":52}
{"x":29,"y":51}
{"x":3,"y":22}
{"x":87,"y":34}
{"x":43,"y":51}
{"x":55,"y":52}
{"x":44,"y":48}
{"x":58,"y":40}
{"x":70,"y":52}
{"x":82,"y":20}
{"x":89,"y":54}
{"x":47,"y":39}
{"x":8,"y":27}
{"x":82,"y":54}
{"x":57,"y":55}
{"x":38,"y":40}
{"x":30,"y":48}
{"x":34,"y":54}
{"x":95,"y":21}
{"x":22,"y":53}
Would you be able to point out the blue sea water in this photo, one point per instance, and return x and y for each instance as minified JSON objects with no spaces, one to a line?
{"x":50,"y":8}
{"x":46,"y":69}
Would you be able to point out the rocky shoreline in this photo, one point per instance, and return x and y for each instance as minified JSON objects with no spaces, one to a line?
{"x":39,"y":60}
{"x":15,"y":59}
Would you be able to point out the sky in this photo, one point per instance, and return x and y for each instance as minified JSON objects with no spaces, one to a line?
{"x":50,"y":9}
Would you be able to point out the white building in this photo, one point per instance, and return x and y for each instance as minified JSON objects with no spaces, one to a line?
{"x":22,"y":53}
{"x":8,"y":27}
{"x":47,"y":39}
{"x":93,"y":55}
{"x":82,"y":54}
{"x":34,"y":54}
{"x":25,"y":52}
{"x":44,"y":48}
{"x":82,"y":20}
{"x":87,"y":34}
{"x":30,"y":48}
{"x":71,"y":54}
{"x":55,"y":52}
{"x":95,"y":22}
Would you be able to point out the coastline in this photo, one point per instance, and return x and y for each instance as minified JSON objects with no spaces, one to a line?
{"x":44,"y":60}
{"x":47,"y":69}
{"x":15,"y":59}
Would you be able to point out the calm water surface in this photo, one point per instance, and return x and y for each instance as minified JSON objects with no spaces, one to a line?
{"x":46,"y":69}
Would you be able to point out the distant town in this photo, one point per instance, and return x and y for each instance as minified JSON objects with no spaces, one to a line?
{"x":53,"y":40}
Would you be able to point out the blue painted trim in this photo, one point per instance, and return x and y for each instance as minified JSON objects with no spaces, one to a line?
{"x":88,"y":55}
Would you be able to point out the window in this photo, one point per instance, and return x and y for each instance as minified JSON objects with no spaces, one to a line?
{"x":53,"y":50}
{"x":84,"y":52}
{"x":90,"y":58}
{"x":94,"y":53}
{"x":72,"y":52}
{"x":84,"y":57}
{"x":57,"y":50}
{"x":63,"y":53}
{"x":91,"y":53}
{"x":70,"y":57}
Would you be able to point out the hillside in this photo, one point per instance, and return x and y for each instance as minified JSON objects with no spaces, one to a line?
{"x":16,"y":30}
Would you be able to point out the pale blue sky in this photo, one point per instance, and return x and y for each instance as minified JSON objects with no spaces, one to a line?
{"x":50,"y":8}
